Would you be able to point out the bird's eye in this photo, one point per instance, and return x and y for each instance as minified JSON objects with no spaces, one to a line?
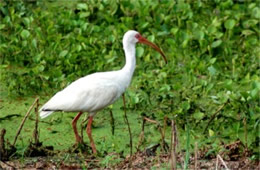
{"x":137,"y":36}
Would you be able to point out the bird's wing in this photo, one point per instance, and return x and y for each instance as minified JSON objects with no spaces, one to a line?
{"x":85,"y":94}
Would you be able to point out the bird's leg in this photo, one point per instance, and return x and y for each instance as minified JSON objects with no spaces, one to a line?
{"x":90,"y":135}
{"x":74,"y":125}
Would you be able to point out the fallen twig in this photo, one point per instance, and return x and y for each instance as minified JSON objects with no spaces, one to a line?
{"x":217,"y":163}
{"x":24,"y":119}
{"x":150,"y":120}
{"x":160,"y":130}
{"x":8,"y":165}
{"x":214,"y":115}
{"x":141,"y":137}
{"x":222,"y":161}
{"x":92,"y":160}
{"x":196,"y":156}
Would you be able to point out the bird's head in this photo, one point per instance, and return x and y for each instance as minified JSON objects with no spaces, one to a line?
{"x":133,"y":37}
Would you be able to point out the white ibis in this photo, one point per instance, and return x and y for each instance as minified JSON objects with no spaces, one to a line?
{"x":96,"y":91}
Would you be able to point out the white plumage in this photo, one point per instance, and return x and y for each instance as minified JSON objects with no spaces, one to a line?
{"x":87,"y":94}
{"x":96,"y":91}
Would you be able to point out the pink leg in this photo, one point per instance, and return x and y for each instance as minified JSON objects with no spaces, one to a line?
{"x":90,"y":135}
{"x":74,"y":126}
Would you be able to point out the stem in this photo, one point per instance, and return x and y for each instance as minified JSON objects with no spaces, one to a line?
{"x":82,"y":126}
{"x":2,"y":144}
{"x":245,"y":129}
{"x":141,"y":138}
{"x":214,"y":115}
{"x":35,"y":132}
{"x":164,"y":126}
{"x":173,"y":147}
{"x":196,"y":156}
{"x":187,"y":156}
{"x":128,"y":126}
{"x":112,"y":122}
{"x":150,"y":120}
{"x":24,"y":119}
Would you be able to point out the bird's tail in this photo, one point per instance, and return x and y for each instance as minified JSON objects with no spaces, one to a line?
{"x":44,"y":114}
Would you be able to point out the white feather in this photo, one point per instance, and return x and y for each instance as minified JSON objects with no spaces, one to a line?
{"x":44,"y":114}
{"x":87,"y":94}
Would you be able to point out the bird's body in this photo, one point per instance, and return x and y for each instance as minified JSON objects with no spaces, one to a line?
{"x":88,"y":94}
{"x":98,"y":90}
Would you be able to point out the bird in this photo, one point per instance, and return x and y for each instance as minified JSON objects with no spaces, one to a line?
{"x":94,"y":92}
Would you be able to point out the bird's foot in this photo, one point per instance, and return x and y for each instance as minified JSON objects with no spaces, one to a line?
{"x":79,"y":143}
{"x":80,"y":147}
{"x":93,"y":147}
{"x":79,"y":140}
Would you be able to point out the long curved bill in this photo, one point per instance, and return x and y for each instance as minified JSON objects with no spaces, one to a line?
{"x":145,"y":41}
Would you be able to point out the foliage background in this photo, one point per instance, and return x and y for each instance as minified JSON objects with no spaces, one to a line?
{"x":212,"y":48}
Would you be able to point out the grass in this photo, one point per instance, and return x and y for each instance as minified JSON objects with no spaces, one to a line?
{"x":56,"y":129}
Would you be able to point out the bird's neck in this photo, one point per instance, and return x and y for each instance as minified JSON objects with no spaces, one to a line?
{"x":129,"y":67}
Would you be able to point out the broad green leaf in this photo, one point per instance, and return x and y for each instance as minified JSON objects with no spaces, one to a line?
{"x":147,"y":58}
{"x":185,"y":105}
{"x":247,"y":32}
{"x":212,"y":70}
{"x":78,"y":47}
{"x":139,"y":51}
{"x":250,"y":23}
{"x":252,"y":40}
{"x":24,"y":43}
{"x":198,"y":115}
{"x":251,"y":5}
{"x":25,"y":34}
{"x":37,"y":58}
{"x":41,"y":68}
{"x":84,"y":14}
{"x":151,"y":38}
{"x":213,"y":60}
{"x":82,"y":6}
{"x":230,"y":23}
{"x":256,"y":12}
{"x":174,"y":30}
{"x":216,"y":43}
{"x":112,"y":38}
{"x":254,"y":93}
{"x":219,"y":34}
{"x":199,"y":34}
{"x":34,"y":43}
{"x":144,"y":25}
{"x":256,"y":84}
{"x":2,"y":26}
{"x":63,"y":53}
{"x":26,"y":21}
{"x":212,"y":29}
{"x":211,"y":132}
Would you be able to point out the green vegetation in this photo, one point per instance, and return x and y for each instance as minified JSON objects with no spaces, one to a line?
{"x":210,"y":86}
